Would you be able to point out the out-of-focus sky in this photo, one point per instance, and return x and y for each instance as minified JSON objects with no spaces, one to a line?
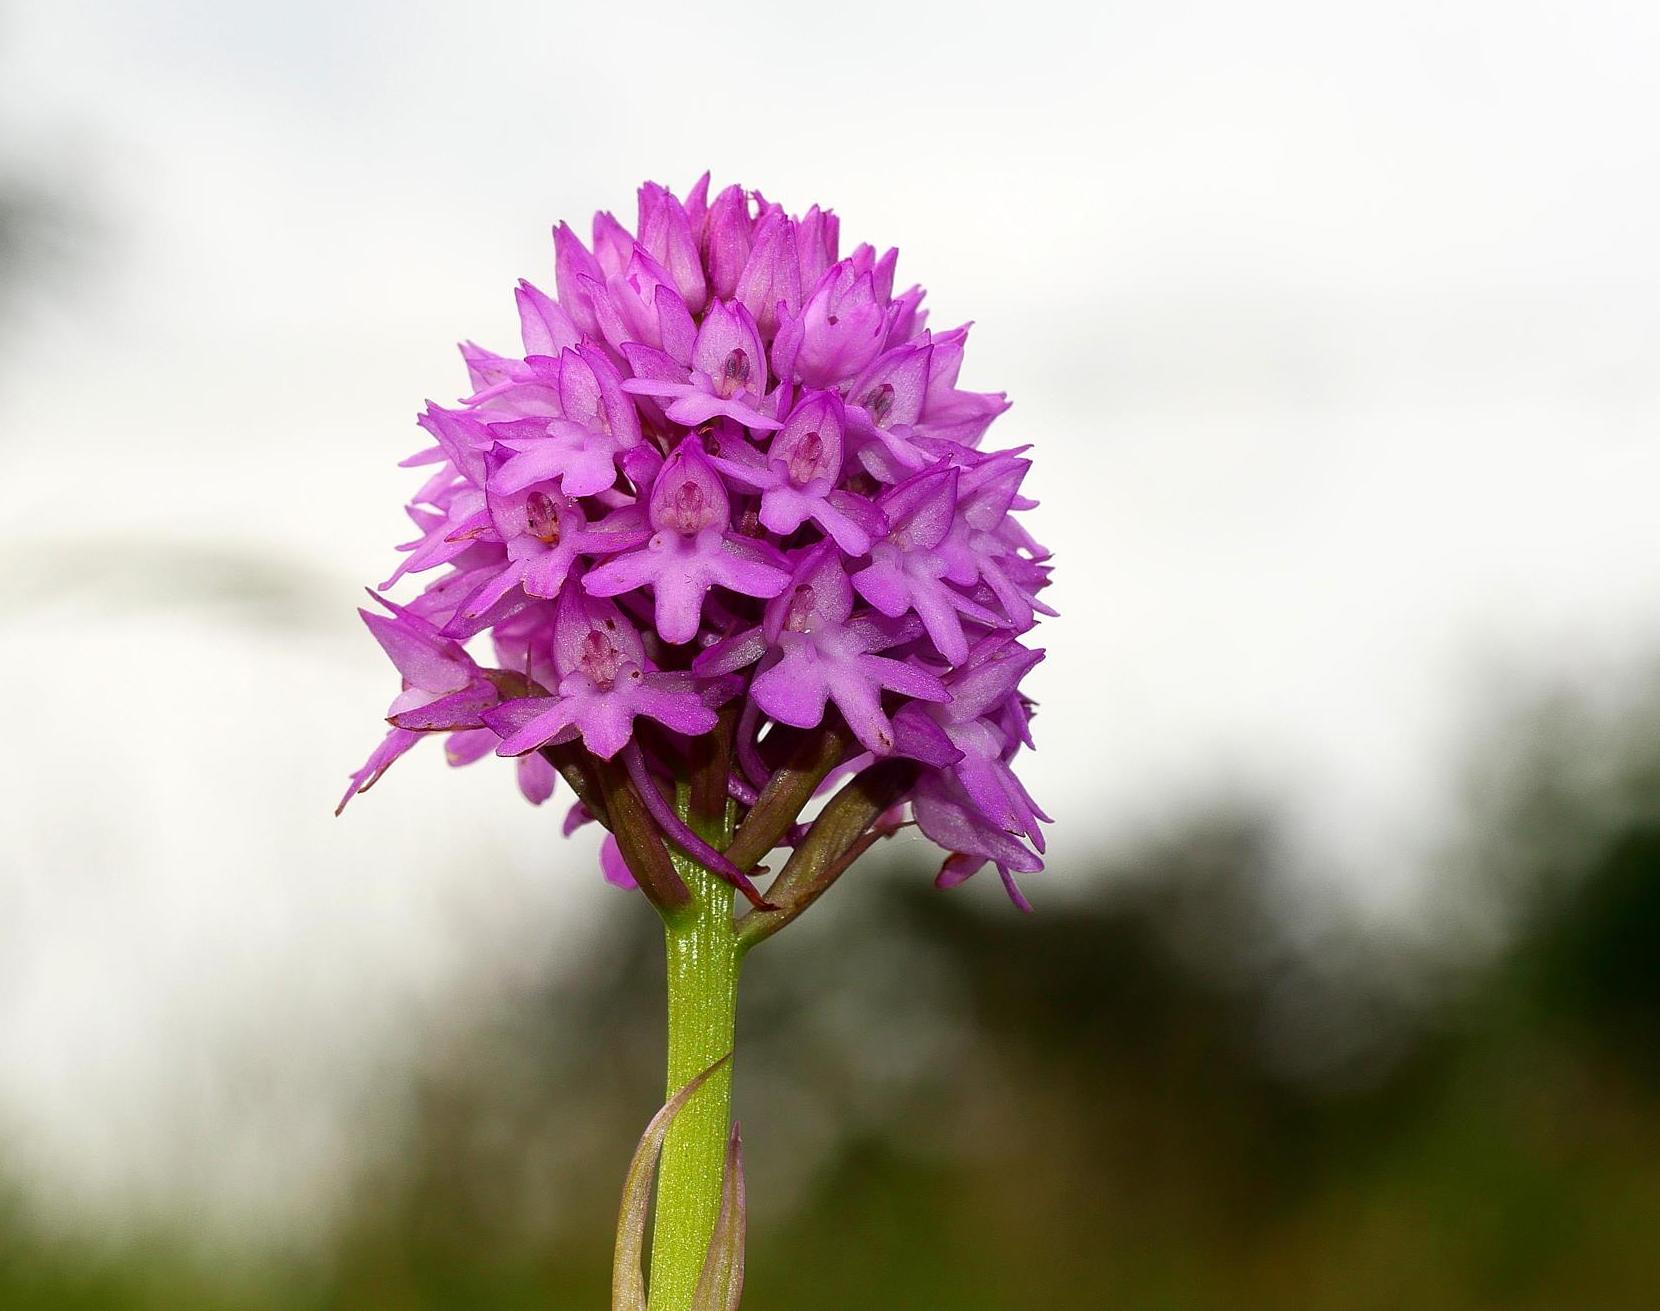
{"x":1335,"y":328}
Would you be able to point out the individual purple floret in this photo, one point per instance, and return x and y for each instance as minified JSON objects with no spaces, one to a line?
{"x":724,"y":522}
{"x":605,"y":681}
{"x":840,"y":329}
{"x":724,"y":372}
{"x":908,"y":569}
{"x":444,"y":690}
{"x":797,"y":477}
{"x":691,"y":550}
{"x":813,"y":650}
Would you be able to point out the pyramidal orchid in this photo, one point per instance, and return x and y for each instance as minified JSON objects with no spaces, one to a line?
{"x":720,"y":545}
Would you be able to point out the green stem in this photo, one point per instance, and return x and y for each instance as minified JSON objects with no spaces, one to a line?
{"x":703,"y":956}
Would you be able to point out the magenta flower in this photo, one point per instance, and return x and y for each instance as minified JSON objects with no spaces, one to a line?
{"x":691,"y":550}
{"x":722,"y":371}
{"x":605,"y":681}
{"x":724,"y":523}
{"x":726,"y":487}
{"x":908,"y":568}
{"x":973,"y":804}
{"x":580,"y":442}
{"x":819,"y":653}
{"x":769,"y":287}
{"x":545,"y":532}
{"x":798,"y":476}
{"x":443,"y":691}
{"x":839,"y":331}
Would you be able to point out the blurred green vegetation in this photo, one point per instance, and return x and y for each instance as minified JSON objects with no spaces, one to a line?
{"x":1180,"y":1090}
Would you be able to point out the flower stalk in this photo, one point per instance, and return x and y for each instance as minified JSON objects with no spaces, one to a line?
{"x":703,"y":956}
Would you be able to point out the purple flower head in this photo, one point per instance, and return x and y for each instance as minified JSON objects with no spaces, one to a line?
{"x":728,"y":534}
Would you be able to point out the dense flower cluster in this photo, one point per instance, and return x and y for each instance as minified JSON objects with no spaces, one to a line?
{"x":731,"y":474}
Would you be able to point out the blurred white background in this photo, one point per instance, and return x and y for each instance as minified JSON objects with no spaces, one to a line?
{"x":1335,"y":327}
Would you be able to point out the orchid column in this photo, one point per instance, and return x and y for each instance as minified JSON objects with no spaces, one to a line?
{"x":751,"y":587}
